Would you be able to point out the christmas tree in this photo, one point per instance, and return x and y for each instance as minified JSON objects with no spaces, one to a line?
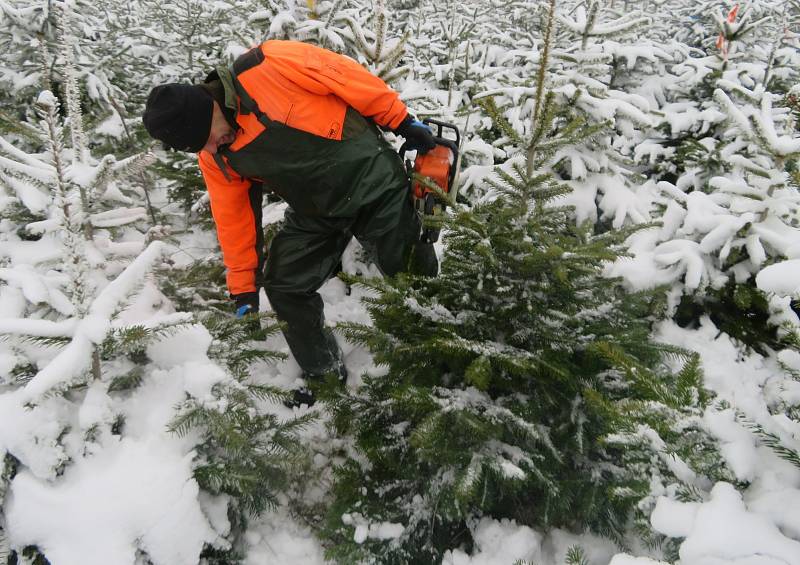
{"x":521,"y":382}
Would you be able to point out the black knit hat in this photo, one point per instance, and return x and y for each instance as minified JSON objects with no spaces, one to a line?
{"x":179,"y":115}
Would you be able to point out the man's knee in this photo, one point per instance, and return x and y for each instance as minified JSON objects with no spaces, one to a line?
{"x":401,"y":251}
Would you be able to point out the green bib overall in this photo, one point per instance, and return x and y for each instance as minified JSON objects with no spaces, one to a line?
{"x":335,"y":190}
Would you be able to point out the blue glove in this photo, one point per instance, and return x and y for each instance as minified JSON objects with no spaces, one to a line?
{"x":246,"y":303}
{"x":242,"y":310}
{"x":419,"y":137}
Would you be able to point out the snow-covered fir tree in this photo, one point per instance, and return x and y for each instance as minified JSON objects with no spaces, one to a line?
{"x":76,"y":352}
{"x":182,"y":443}
{"x":521,"y":383}
{"x":723,"y":174}
{"x":80,"y":207}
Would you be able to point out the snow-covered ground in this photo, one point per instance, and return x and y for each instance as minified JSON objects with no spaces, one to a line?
{"x":87,"y":493}
{"x":122,"y":494}
{"x":759,"y":527}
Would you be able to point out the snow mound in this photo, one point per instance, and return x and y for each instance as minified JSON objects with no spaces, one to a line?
{"x":134,"y":490}
{"x":499,"y":542}
{"x":781,"y":278}
{"x":723,"y":531}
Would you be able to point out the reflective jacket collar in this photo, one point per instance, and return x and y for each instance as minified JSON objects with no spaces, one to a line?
{"x":230,"y":101}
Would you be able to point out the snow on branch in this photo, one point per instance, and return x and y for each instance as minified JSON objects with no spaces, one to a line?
{"x":71,"y":86}
{"x":781,"y":146}
{"x":731,"y":29}
{"x":118,"y":217}
{"x":74,"y":360}
{"x":673,"y":461}
{"x":26,"y":158}
{"x":28,"y":193}
{"x":37,"y":328}
{"x":21,"y":17}
{"x":584,"y":24}
{"x":38,"y":288}
{"x":43,"y":173}
{"x":759,"y":126}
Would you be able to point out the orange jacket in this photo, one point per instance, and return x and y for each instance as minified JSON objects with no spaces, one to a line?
{"x":307,"y":88}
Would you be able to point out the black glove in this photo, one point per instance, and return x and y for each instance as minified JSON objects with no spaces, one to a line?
{"x":418,"y":136}
{"x":246,"y":303}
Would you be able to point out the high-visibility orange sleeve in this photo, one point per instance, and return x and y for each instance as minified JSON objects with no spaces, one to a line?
{"x":235,"y":221}
{"x":324,"y":72}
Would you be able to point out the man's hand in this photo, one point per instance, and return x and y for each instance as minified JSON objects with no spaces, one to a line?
{"x":418,"y":136}
{"x":246,"y":303}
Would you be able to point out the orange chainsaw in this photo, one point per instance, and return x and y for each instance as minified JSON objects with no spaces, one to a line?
{"x":439,"y":165}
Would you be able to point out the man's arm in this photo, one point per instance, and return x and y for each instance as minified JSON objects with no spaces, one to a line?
{"x":235,"y":220}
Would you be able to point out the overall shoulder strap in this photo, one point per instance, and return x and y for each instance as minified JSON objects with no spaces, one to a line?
{"x":223,"y":166}
{"x":248,"y":60}
{"x":252,"y":58}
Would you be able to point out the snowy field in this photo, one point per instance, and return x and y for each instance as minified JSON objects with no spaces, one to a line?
{"x":692,"y":109}
{"x":121,"y":495}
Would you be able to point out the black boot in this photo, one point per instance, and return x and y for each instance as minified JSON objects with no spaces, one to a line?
{"x":300,"y":396}
{"x":316,"y":384}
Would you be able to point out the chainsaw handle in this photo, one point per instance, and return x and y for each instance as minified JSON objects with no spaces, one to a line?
{"x":449,"y":143}
{"x":438,"y":137}
{"x":440,"y":127}
{"x":403,"y":149}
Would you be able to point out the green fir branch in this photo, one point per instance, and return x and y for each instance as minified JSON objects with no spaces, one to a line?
{"x":576,"y":556}
{"x":771,"y":440}
{"x":489,"y":106}
{"x":129,"y":381}
{"x":56,"y":342}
